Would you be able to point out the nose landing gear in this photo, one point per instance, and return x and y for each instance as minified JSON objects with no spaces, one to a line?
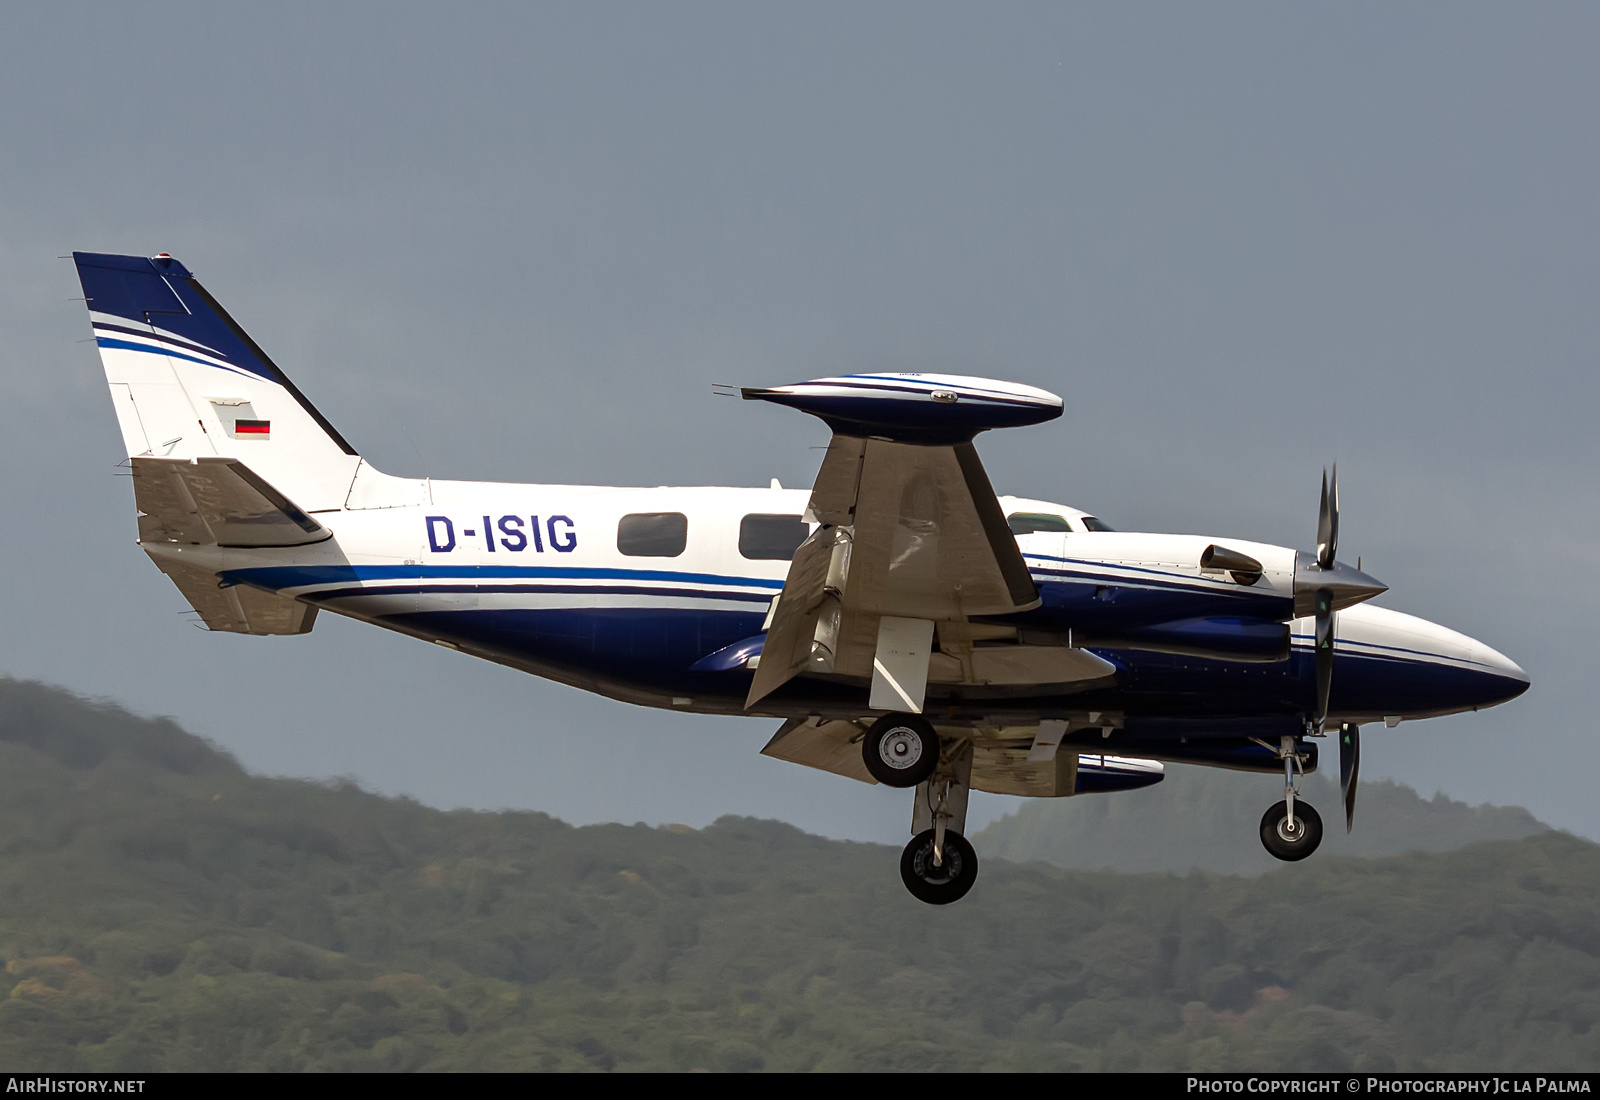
{"x":1291,"y":838}
{"x":1292,"y":829}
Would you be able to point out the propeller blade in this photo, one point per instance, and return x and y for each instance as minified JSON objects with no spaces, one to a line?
{"x":1322,"y":603}
{"x":1328,"y":521}
{"x":1349,"y":769}
{"x":1324,"y":655}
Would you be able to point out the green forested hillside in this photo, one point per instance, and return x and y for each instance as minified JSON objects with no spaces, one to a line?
{"x":160,"y":909}
{"x":1207,"y":819}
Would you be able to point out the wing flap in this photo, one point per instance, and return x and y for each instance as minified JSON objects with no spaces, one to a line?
{"x":789,"y":645}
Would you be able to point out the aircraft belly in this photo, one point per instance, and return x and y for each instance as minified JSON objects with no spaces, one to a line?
{"x":618,"y":640}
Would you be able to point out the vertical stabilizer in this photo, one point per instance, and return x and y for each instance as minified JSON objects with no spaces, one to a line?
{"x":188,"y":382}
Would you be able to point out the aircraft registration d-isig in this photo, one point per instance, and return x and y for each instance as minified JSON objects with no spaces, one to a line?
{"x":907,"y":625}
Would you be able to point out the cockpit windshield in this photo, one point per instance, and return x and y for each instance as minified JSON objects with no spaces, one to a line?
{"x":1026,"y":523}
{"x":1090,"y":523}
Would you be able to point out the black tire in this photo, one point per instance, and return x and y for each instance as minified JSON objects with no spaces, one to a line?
{"x":1308,"y":827}
{"x":946,"y":883}
{"x":900,"y":750}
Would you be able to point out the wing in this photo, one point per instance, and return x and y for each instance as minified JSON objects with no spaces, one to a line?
{"x":911,"y":542}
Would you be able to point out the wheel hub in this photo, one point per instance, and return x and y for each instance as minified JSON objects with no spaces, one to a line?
{"x":948,"y":871}
{"x":1291,"y":834}
{"x":945,"y":883}
{"x":900,"y":749}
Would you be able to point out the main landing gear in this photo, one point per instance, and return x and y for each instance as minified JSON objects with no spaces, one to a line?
{"x":900,"y":750}
{"x":939,"y":877}
{"x":1292,"y":829}
{"x":903,"y":750}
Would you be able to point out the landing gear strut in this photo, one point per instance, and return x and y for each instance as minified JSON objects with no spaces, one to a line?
{"x":1292,"y":829}
{"x":939,"y":865}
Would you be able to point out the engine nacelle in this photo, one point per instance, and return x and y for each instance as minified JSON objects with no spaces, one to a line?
{"x":1241,"y":754}
{"x":1103,"y":774}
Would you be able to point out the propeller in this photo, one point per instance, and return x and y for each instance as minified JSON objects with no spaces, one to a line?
{"x":1349,"y":769}
{"x":1323,"y":586}
{"x":1322,"y":605}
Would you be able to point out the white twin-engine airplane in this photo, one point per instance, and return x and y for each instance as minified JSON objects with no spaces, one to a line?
{"x":908,"y":626}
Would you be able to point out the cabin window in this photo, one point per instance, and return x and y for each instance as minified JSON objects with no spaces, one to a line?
{"x":1026,"y":523}
{"x":771,"y":538}
{"x":653,"y":534}
{"x":1090,"y":523}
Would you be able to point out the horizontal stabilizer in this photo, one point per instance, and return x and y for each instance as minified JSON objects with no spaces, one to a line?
{"x":236,"y":608}
{"x":216,"y":502}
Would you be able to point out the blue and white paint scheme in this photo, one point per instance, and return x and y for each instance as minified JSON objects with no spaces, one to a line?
{"x":905,"y":623}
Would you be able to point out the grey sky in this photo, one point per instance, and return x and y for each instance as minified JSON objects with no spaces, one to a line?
{"x":521,"y":242}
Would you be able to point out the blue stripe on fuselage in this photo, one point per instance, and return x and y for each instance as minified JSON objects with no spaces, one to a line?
{"x":323,"y":595}
{"x":302,"y":576}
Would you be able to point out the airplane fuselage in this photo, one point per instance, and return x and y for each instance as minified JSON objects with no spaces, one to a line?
{"x":544,"y":578}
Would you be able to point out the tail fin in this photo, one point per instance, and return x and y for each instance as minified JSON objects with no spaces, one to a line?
{"x":188,"y":382}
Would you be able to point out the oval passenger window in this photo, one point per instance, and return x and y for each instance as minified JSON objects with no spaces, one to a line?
{"x":653,"y":534}
{"x":771,"y":538}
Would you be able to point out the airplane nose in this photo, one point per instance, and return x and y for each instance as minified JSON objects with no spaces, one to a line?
{"x":1513,"y":680}
{"x":1428,"y":669}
